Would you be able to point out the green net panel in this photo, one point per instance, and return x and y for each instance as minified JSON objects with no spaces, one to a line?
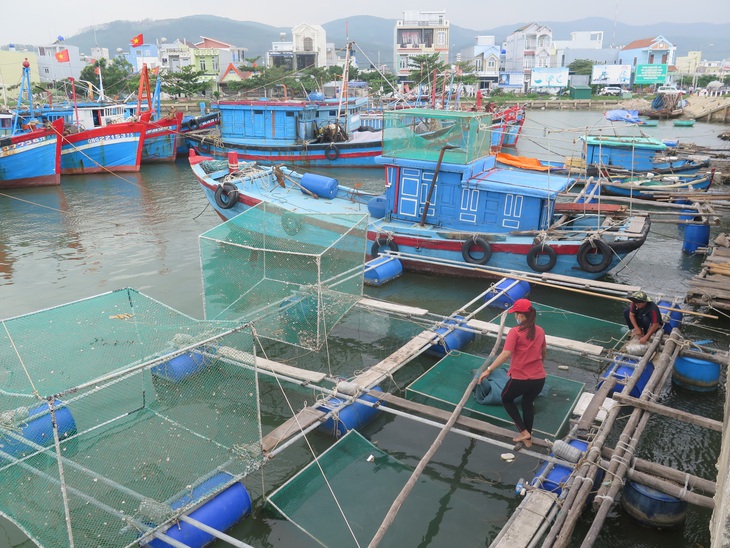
{"x":294,"y":275}
{"x":420,"y":134}
{"x":443,"y":386}
{"x":151,"y":418}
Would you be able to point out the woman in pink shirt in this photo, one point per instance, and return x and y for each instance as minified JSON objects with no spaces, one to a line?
{"x":526,"y":349}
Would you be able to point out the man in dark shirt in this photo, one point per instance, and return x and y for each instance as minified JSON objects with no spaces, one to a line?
{"x":643,"y":316}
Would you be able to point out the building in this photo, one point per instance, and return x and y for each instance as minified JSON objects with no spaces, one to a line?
{"x":419,"y":33}
{"x":526,"y":48}
{"x":648,"y":51}
{"x":51,"y":70}
{"x":144,"y":54}
{"x":582,"y":45}
{"x":484,"y":56}
{"x":307,"y":48}
{"x":175,"y":56}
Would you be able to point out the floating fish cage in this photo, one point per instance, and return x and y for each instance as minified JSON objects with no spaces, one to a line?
{"x":118,"y":415}
{"x":295,"y":274}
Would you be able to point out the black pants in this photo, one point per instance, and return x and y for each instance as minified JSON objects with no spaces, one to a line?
{"x":529,"y":389}
{"x":644,"y":322}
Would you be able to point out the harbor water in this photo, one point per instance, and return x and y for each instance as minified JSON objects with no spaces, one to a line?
{"x":98,"y":233}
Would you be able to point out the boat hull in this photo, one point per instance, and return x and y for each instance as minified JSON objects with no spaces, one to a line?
{"x":160,"y":139}
{"x":113,"y":148}
{"x":31,"y":160}
{"x":650,"y":192}
{"x":349,"y":154}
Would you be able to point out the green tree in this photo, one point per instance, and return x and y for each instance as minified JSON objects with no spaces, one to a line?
{"x":581,"y":66}
{"x":185,"y":83}
{"x":117,"y":76}
{"x":424,"y":65}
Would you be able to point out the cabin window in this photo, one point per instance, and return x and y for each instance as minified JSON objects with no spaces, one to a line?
{"x":512,"y":211}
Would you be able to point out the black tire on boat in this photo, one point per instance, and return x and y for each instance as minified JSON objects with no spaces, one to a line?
{"x":332,"y":153}
{"x":537,"y":251}
{"x":226,"y":195}
{"x":193,"y":124}
{"x":483,"y":251}
{"x":594,"y":248}
{"x":380,"y":243}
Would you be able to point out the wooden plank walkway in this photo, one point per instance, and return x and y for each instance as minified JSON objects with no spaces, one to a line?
{"x":526,"y":521}
{"x":711,"y":287}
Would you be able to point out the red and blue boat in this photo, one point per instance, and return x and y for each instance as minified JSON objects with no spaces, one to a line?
{"x":448,"y":208}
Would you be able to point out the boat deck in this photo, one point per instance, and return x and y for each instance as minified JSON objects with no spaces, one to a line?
{"x":711,"y":287}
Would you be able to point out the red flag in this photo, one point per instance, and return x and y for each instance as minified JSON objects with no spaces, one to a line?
{"x":62,"y":56}
{"x":137,"y":41}
{"x":97,"y":70}
{"x":156,"y":71}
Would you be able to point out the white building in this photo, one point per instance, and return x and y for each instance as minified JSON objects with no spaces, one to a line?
{"x":307,"y":48}
{"x":51,"y":70}
{"x":528,"y":47}
{"x":419,"y":33}
{"x":484,"y":56}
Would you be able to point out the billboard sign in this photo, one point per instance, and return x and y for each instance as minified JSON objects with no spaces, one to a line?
{"x":511,"y":80}
{"x":650,"y":74}
{"x":543,"y":77}
{"x":611,"y":75}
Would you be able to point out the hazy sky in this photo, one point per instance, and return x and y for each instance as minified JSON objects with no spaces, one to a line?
{"x":41,"y":21}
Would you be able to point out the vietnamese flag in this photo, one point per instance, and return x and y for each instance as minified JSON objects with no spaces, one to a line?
{"x":62,"y":56}
{"x":137,"y":41}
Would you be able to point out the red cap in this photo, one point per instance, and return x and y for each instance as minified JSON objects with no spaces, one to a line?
{"x":521,"y":305}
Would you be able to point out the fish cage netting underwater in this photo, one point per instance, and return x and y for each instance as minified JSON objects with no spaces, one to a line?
{"x":118,"y":414}
{"x":294,"y":275}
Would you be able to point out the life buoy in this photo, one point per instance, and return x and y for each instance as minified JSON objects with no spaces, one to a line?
{"x":483,"y":251}
{"x":382,"y":242}
{"x":291,"y":224}
{"x":538,"y":251}
{"x":193,"y":124}
{"x":594,"y":248}
{"x":332,"y":153}
{"x":226,"y":195}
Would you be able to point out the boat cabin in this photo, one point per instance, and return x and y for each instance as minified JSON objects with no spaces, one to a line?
{"x":631,"y":153}
{"x":285,"y":122}
{"x":85,"y":115}
{"x":470,"y":194}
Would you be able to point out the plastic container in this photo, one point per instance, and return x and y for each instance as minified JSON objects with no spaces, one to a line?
{"x":180,"y":367}
{"x":377,"y":207}
{"x":221,"y":512}
{"x":695,"y":374}
{"x":675,"y":317}
{"x":324,"y":187}
{"x":354,"y":416}
{"x":623,"y":368}
{"x":455,"y":340}
{"x":695,"y":236}
{"x":39,"y":430}
{"x":513,"y":290}
{"x":651,"y":507}
{"x":382,"y":270}
{"x":558,"y":474}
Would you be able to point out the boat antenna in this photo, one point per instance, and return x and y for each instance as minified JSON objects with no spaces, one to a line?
{"x":433,"y":182}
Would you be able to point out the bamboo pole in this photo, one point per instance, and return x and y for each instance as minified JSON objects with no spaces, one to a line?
{"x":665,"y":411}
{"x":583,"y":291}
{"x":400,"y":499}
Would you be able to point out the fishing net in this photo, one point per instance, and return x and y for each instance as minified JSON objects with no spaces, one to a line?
{"x":117,"y":414}
{"x":294,"y":274}
{"x":421,"y":135}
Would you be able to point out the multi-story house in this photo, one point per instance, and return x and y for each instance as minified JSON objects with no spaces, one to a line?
{"x":526,"y":48}
{"x":484,"y":56}
{"x":419,"y":33}
{"x":307,"y":48}
{"x":582,"y":45}
{"x":648,"y":51}
{"x":175,"y":56}
{"x":51,"y":70}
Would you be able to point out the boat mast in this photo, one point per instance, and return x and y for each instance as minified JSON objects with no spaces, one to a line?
{"x":24,"y":86}
{"x":343,"y":92}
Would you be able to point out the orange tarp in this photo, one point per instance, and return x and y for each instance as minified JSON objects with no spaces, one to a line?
{"x":523,"y":162}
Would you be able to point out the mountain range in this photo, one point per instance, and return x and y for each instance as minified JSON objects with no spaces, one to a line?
{"x":373,"y":36}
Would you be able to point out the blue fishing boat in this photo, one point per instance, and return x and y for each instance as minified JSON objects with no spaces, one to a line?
{"x":30,"y":154}
{"x":650,"y":187}
{"x":446,"y":206}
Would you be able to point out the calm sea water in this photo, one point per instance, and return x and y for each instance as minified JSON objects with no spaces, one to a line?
{"x":98,"y":233}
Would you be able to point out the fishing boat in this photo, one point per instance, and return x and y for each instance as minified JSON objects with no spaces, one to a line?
{"x":161,"y":134}
{"x":668,"y":103}
{"x":447,"y":206}
{"x":200,"y":124}
{"x":650,"y":186}
{"x":684,"y":123}
{"x":30,"y":154}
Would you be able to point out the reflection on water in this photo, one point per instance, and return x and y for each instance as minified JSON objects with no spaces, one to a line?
{"x":97,"y":233}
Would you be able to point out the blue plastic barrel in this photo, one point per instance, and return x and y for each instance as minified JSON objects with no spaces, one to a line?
{"x":353,"y":417}
{"x":324,"y":187}
{"x":377,"y":207}
{"x":39,"y":430}
{"x":221,"y":512}
{"x":622,"y":368}
{"x":180,"y":367}
{"x":695,"y":236}
{"x":456,"y":340}
{"x":382,"y":270}
{"x":651,"y":507}
{"x":675,"y":317}
{"x":559,"y":474}
{"x":695,"y":374}
{"x":519,"y":290}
